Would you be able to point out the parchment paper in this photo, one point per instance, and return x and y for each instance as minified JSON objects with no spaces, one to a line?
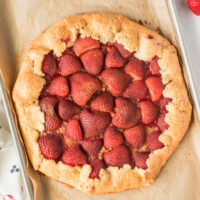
{"x":22,"y":20}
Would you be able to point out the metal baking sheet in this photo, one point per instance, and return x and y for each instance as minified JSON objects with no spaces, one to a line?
{"x":187,"y":29}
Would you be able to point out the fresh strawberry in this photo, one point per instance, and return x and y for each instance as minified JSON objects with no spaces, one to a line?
{"x":52,"y":122}
{"x":69,"y":64}
{"x":94,"y":124}
{"x":162,"y":123}
{"x":96,"y":165}
{"x":58,"y":87}
{"x":153,"y":141}
{"x":140,"y":159}
{"x":154,"y":66}
{"x":103,"y":102}
{"x":149,"y":111}
{"x":48,"y":104}
{"x":135,"y":136}
{"x":82,"y":45}
{"x":51,"y":146}
{"x":127,"y":114}
{"x":114,"y":58}
{"x":49,"y":65}
{"x":112,"y":137}
{"x":73,"y":130}
{"x":93,"y":61}
{"x":155,"y":87}
{"x":125,"y":53}
{"x":194,"y":6}
{"x":92,"y":146}
{"x":118,"y":156}
{"x":116,"y":80}
{"x":137,"y":90}
{"x":83,"y":86}
{"x":74,"y":156}
{"x":67,"y":109}
{"x":135,"y":68}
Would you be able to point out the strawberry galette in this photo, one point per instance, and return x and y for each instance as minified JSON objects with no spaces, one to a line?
{"x":101,"y":103}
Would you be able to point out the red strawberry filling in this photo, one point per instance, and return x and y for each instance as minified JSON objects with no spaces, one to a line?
{"x":102,"y":106}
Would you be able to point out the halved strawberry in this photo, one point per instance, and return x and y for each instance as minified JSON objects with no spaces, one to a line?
{"x":92,"y":146}
{"x":52,"y":122}
{"x":58,"y":87}
{"x":104,"y":102}
{"x":49,"y":65}
{"x":116,"y":80}
{"x":51,"y":146}
{"x":125,"y":53}
{"x":82,"y":45}
{"x":96,"y":165}
{"x":135,"y":136}
{"x":117,"y":157}
{"x":149,"y":111}
{"x":73,"y":130}
{"x":127,"y":114}
{"x":74,"y":156}
{"x":140,"y":159}
{"x":69,"y":64}
{"x":114,"y":58}
{"x":93,"y":61}
{"x":112,"y":137}
{"x":153,"y":141}
{"x":162,"y":104}
{"x":137,"y":89}
{"x":83,"y":86}
{"x":94,"y":124}
{"x":162,"y":123}
{"x":135,"y":68}
{"x":48,"y":104}
{"x":67,"y":109}
{"x":154,"y":66}
{"x":155,"y":86}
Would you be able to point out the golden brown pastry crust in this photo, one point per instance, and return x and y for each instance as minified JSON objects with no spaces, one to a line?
{"x":106,"y":27}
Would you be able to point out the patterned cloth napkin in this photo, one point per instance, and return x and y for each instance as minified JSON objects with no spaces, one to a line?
{"x":11,"y":182}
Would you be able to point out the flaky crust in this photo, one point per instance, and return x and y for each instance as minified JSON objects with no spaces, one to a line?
{"x":106,"y":27}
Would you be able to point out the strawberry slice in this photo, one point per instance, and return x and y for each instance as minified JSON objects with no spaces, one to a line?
{"x":92,"y":146}
{"x":127,"y":114}
{"x":137,"y":89}
{"x":93,"y":61}
{"x":67,"y":109}
{"x":69,"y":64}
{"x":74,"y":156}
{"x":49,"y":65}
{"x":82,"y":45}
{"x":135,"y":68}
{"x":118,"y":156}
{"x":149,"y":111}
{"x":116,"y":80}
{"x":58,"y":87}
{"x":51,"y":146}
{"x":153,"y":141}
{"x":94,"y":124}
{"x":96,"y":165}
{"x":154,"y":66}
{"x":73,"y":130}
{"x":135,"y":136}
{"x":125,"y":53}
{"x":155,"y":87}
{"x":114,"y":58}
{"x":140,"y":159}
{"x":112,"y":137}
{"x":52,"y":122}
{"x":83,"y":86}
{"x":103,"y":102}
{"x":162,"y":123}
{"x":194,"y":6}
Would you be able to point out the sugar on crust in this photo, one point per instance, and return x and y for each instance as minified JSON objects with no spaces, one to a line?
{"x":105,"y":27}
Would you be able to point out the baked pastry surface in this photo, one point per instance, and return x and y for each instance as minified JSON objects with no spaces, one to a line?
{"x":144,"y":45}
